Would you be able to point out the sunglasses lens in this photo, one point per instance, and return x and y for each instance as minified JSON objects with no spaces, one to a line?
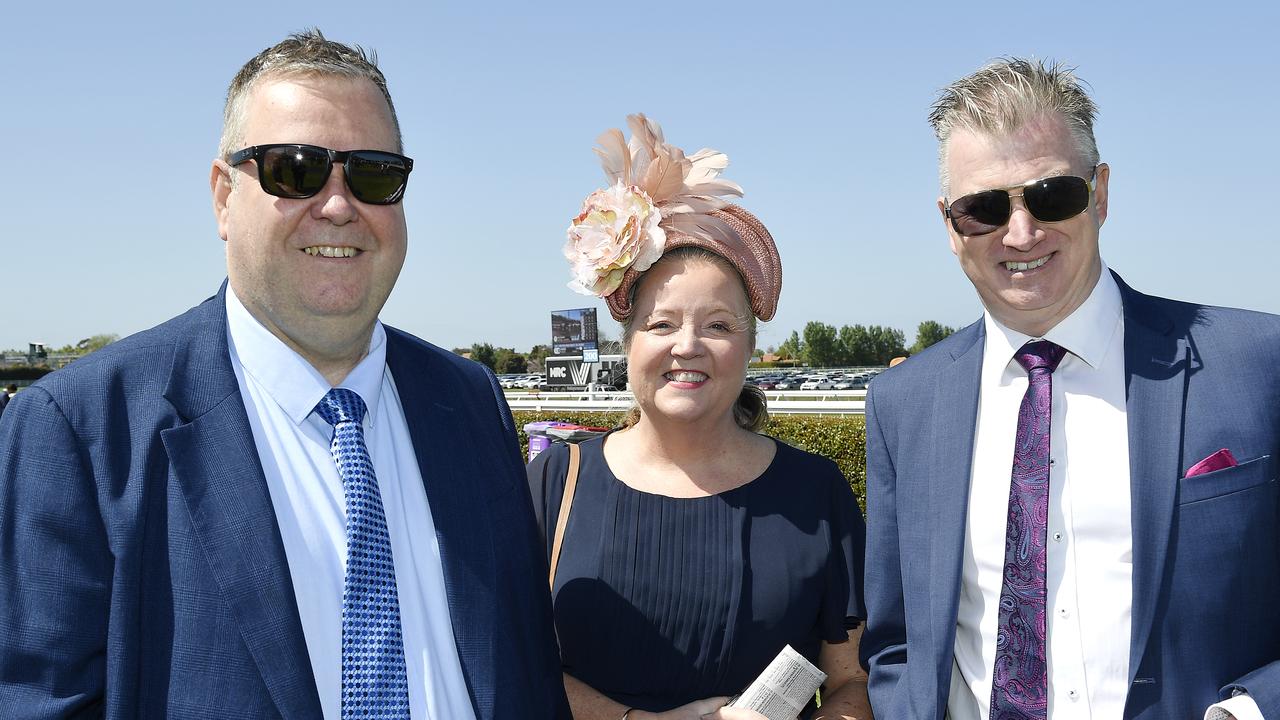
{"x":294,"y":171}
{"x":377,"y":178}
{"x":1057,"y":198}
{"x":980,"y":213}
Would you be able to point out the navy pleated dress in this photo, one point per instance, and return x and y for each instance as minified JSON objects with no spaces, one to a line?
{"x":661,"y":601}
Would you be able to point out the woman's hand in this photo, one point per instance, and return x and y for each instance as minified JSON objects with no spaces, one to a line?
{"x":728,"y":713}
{"x":696,"y":710}
{"x":713,"y":708}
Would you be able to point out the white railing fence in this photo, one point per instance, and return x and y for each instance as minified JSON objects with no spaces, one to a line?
{"x":781,"y":402}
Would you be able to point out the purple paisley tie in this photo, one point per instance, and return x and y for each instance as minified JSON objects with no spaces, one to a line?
{"x":1020,"y":681}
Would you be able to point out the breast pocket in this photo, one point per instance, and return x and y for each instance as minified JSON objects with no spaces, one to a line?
{"x":1249,"y":475}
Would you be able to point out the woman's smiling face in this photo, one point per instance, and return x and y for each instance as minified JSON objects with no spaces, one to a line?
{"x":690,"y":341}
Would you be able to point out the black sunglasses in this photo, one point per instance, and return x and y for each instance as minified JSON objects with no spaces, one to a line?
{"x":301,"y":171}
{"x":1051,"y":199}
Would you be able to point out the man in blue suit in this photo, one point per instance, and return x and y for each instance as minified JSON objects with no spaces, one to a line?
{"x":273,"y":505}
{"x":1072,"y":504}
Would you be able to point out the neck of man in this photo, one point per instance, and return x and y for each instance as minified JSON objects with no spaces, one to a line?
{"x":335,"y":368}
{"x":333,"y":349}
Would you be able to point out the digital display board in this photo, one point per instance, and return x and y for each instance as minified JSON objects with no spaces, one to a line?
{"x":573,"y":331}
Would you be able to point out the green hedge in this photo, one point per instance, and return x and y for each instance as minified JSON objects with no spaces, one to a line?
{"x":14,"y":373}
{"x":841,"y":438}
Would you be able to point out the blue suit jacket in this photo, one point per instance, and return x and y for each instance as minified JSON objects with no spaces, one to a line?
{"x":142,"y":572}
{"x":1206,"y":549}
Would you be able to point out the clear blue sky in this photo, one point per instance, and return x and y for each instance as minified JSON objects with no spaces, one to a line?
{"x":112,"y":112}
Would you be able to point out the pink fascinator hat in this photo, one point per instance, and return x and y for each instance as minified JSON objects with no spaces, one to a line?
{"x":658,"y":200}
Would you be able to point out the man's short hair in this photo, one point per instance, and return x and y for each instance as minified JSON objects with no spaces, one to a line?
{"x":1007,"y":93}
{"x":300,"y":54}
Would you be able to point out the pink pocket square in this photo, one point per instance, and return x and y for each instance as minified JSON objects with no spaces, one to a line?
{"x":1217,"y":461}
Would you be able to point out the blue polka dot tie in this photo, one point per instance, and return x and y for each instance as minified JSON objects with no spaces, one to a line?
{"x":374,"y":684}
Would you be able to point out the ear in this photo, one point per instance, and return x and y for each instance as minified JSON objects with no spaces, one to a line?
{"x":1100,"y":185}
{"x":946,"y":225}
{"x":220,"y":187}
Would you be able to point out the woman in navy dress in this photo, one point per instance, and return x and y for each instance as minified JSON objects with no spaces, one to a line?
{"x":696,"y":548}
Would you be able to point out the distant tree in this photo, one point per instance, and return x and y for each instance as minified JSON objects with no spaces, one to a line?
{"x":500,"y":357}
{"x":461,"y":351}
{"x":757,"y":354}
{"x":508,"y":361}
{"x":823,"y":347}
{"x":792,"y":348}
{"x":484,"y":354}
{"x":515,"y":364}
{"x":855,"y":346}
{"x":88,"y":345}
{"x":887,"y":343}
{"x":97,"y":342}
{"x":538,"y":356}
{"x":928,"y":333}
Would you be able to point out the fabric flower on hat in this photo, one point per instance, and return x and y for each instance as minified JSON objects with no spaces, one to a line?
{"x":617,"y":228}
{"x":654,"y":190}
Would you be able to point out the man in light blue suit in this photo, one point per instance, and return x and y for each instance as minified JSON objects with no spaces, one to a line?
{"x":272,"y":506}
{"x":1073,"y":509}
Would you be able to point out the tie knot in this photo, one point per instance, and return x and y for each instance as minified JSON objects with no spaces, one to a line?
{"x":341,"y":405}
{"x":1040,"y":354}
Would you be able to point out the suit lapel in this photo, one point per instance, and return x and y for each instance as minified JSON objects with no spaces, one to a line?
{"x":955,"y":412}
{"x":436,"y":418}
{"x":1156,"y":367}
{"x":215,"y":461}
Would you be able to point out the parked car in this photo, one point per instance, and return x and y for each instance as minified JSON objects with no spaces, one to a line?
{"x":786,"y":384}
{"x":818,"y":384}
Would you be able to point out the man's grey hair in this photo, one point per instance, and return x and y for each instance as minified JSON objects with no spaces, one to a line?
{"x":1006,"y":94}
{"x":300,"y":54}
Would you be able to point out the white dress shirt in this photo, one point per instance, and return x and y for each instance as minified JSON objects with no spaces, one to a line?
{"x":280,"y":391}
{"x":1090,"y":539}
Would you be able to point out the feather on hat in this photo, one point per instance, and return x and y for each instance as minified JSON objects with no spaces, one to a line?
{"x":661,"y":199}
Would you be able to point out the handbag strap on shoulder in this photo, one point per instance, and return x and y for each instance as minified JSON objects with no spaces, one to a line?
{"x":566,"y":505}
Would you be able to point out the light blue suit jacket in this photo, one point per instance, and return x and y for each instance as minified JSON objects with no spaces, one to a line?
{"x":142,"y":572}
{"x":1206,"y":549}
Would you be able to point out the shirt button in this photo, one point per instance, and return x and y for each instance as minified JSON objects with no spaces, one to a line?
{"x":1057,"y":537}
{"x":1064,"y":613}
{"x":1073,"y":694}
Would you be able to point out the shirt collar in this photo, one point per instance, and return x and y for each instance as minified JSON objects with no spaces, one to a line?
{"x":1085,"y":333}
{"x":288,"y":378}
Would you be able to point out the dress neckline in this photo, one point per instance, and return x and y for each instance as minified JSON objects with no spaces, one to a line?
{"x":615,"y":480}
